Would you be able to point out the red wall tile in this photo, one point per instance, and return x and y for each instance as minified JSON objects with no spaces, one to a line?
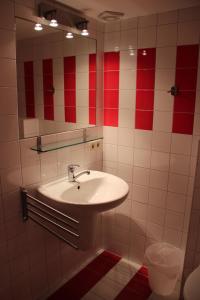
{"x":111,"y":117}
{"x":111,"y":98}
{"x":70,"y":88}
{"x":144,"y":119}
{"x":187,"y":56}
{"x":111,"y":61}
{"x":49,"y":112}
{"x":183,"y":123}
{"x":69,"y":64}
{"x":92,"y":115}
{"x":29,"y":89}
{"x":92,"y":89}
{"x":111,"y":80}
{"x":47,"y":69}
{"x":147,"y":61}
{"x":145,"y":79}
{"x":70,"y":114}
{"x":144,"y":99}
{"x":145,"y":84}
{"x":111,"y":88}
{"x":186,"y":81}
{"x":185,"y":102}
{"x":92,"y":98}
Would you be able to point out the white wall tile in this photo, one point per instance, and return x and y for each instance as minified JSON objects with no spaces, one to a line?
{"x":127,"y":79}
{"x":160,"y":161}
{"x":157,"y":197}
{"x":125,"y":137}
{"x":110,"y":152}
{"x":140,"y":193}
{"x":162,"y":121}
{"x":147,"y":21}
{"x":125,"y":155}
{"x":141,"y":176}
{"x":126,"y":118}
{"x":176,"y":202}
{"x":127,"y":99}
{"x":142,"y":158}
{"x":110,"y":134}
{"x":163,"y":101}
{"x":180,"y":164}
{"x":156,"y":215}
{"x":188,"y":33}
{"x":111,"y":41}
{"x":128,"y":39}
{"x":168,"y":17}
{"x":174,"y":220}
{"x":158,"y":179}
{"x":181,"y":143}
{"x":147,"y":37}
{"x":127,"y":61}
{"x":166,"y":57}
{"x":167,"y":35}
{"x":178,"y":183}
{"x":164,"y":79}
{"x":143,"y":139}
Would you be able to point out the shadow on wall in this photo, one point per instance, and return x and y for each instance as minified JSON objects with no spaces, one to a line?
{"x":117,"y":230}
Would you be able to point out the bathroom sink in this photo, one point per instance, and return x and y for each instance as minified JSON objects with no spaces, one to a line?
{"x":95,"y":192}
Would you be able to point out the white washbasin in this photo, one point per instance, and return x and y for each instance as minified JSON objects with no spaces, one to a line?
{"x":96,"y":192}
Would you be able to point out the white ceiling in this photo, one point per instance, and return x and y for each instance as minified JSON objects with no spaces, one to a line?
{"x":131,"y":8}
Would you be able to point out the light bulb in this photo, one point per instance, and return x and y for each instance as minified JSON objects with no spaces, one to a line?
{"x":131,"y":52}
{"x":144,"y":52}
{"x":53,"y":23}
{"x":38,"y":27}
{"x":69,"y":35}
{"x":84,"y":32}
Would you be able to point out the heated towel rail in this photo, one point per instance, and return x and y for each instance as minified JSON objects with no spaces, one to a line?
{"x":45,"y":216}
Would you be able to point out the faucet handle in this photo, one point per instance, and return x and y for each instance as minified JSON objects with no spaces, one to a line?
{"x":72,"y":167}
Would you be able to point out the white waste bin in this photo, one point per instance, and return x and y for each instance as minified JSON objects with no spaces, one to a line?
{"x":164,"y":263}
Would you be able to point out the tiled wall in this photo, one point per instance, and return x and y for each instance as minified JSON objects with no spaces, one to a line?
{"x":68,"y":67}
{"x":32,"y":262}
{"x":150,"y":137}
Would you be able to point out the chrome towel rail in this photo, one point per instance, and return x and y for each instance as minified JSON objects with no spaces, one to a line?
{"x":45,"y":213}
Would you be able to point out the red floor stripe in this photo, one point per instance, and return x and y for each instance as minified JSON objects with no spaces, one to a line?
{"x":137,"y":288}
{"x":81,"y":283}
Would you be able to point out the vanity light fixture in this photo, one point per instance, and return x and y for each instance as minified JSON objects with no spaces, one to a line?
{"x":69,"y":35}
{"x":84,"y":32}
{"x":83,"y":27}
{"x":53,"y":23}
{"x":38,"y":27}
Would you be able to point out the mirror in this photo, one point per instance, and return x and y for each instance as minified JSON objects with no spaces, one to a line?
{"x":56,"y":79}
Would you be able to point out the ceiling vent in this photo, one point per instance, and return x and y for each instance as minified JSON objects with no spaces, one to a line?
{"x":110,"y":16}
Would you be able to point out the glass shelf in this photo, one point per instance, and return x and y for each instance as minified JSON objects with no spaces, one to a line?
{"x":63,"y":144}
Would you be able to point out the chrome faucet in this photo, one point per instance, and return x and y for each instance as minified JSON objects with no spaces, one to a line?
{"x":71,"y":176}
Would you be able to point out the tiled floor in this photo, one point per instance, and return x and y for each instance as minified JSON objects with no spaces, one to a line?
{"x":108,"y":277}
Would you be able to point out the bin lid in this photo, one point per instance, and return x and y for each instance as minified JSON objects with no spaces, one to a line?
{"x":164,"y":255}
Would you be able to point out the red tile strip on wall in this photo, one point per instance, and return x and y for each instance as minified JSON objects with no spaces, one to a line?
{"x":70,"y":88}
{"x":92,"y":89}
{"x":146,"y":60}
{"x":81,"y":283}
{"x":186,"y":81}
{"x":48,"y":89}
{"x":29,"y":89}
{"x":138,"y":287}
{"x":111,"y":88}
